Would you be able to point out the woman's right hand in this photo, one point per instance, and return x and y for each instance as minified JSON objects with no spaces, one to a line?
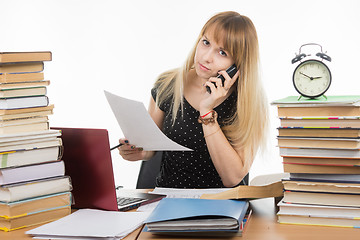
{"x":130,"y":152}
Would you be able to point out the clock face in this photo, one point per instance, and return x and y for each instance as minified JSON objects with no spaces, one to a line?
{"x":312,"y":78}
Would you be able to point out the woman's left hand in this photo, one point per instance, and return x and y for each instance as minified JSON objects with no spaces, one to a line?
{"x":218,"y":92}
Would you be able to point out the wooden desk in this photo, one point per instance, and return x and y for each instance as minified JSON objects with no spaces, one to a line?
{"x":262,"y":226}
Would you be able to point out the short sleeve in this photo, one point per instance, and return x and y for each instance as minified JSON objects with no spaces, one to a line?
{"x":154,"y":94}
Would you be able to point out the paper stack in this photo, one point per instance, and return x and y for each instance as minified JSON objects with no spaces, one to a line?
{"x":33,"y":185}
{"x":319,"y":142}
{"x":91,"y":224}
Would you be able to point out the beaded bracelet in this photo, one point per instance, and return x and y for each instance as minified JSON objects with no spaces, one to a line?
{"x":206,"y":121}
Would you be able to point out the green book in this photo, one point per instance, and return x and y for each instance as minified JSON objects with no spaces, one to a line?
{"x":339,"y":100}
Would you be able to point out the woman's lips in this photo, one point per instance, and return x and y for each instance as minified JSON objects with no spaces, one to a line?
{"x":204,"y":68}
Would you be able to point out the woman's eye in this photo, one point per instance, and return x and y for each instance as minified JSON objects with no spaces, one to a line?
{"x":206,"y":42}
{"x":223,"y":53}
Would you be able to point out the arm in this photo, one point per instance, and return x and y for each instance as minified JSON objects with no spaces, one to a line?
{"x":130,"y":152}
{"x":230,"y":163}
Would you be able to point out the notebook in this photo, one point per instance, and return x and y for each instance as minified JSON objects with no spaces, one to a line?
{"x":88,"y":162}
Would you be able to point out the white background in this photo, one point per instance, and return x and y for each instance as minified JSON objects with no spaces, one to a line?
{"x":122,"y":46}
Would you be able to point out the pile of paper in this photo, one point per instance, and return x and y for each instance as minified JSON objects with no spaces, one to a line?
{"x":90,"y":223}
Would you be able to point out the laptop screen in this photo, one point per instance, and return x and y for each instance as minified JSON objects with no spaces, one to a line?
{"x":88,"y":163}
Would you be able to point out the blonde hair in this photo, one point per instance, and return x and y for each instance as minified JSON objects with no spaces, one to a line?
{"x":247,"y":128}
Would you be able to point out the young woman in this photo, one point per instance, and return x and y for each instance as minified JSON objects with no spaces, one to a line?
{"x":226,"y":127}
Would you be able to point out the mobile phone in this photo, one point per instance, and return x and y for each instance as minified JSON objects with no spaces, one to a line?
{"x":231,"y":71}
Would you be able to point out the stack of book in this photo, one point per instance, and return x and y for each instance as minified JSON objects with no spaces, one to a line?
{"x":33,"y":185}
{"x":319,"y":141}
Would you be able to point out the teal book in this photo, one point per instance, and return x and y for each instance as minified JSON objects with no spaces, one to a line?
{"x":339,"y":100}
{"x":197,"y":217}
{"x":18,"y":209}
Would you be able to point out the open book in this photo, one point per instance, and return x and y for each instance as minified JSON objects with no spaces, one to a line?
{"x":262,"y":186}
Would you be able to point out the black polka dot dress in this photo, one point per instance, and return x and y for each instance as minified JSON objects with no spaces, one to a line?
{"x":189,"y":169}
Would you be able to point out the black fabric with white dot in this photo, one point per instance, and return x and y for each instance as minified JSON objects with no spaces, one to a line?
{"x":189,"y":169}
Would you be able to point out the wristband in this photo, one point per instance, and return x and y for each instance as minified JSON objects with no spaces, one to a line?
{"x":206,"y":121}
{"x":206,"y":114}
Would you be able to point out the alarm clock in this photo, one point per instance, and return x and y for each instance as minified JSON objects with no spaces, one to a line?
{"x":312,"y":77}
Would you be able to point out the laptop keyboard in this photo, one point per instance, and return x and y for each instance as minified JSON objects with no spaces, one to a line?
{"x":122,"y":201}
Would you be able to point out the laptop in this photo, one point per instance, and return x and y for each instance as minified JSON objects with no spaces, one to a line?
{"x":87,"y":159}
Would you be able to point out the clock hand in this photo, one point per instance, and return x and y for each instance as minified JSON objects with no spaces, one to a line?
{"x":316,"y":77}
{"x":306,"y":76}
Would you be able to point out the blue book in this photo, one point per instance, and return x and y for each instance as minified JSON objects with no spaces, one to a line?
{"x":197,"y":217}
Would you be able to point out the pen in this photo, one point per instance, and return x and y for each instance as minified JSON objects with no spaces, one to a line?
{"x":120,"y":144}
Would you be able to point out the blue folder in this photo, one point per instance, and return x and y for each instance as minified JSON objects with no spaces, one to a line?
{"x":172,"y":209}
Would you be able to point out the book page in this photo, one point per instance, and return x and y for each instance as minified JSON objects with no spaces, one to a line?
{"x":266,"y":179}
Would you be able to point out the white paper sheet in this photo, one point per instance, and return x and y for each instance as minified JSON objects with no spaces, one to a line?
{"x":179,"y":193}
{"x":91,"y":223}
{"x":138,"y":126}
{"x":187,"y":193}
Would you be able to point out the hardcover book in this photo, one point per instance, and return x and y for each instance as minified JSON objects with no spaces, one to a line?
{"x":321,"y":122}
{"x":320,"y":152}
{"x":31,"y":172}
{"x":321,"y":168}
{"x":24,"y":128}
{"x":21,"y":77}
{"x":318,"y":186}
{"x":322,"y":198}
{"x":319,"y":132}
{"x":25,"y":190}
{"x":319,"y":111}
{"x":12,"y":57}
{"x":24,"y":102}
{"x":340,"y":143}
{"x":320,"y":220}
{"x":10,"y":112}
{"x":352,"y":178}
{"x":25,"y":67}
{"x":30,"y":206}
{"x":325,"y":161}
{"x":23,"y":92}
{"x":8,"y":86}
{"x":34,"y":219}
{"x":317,"y":210}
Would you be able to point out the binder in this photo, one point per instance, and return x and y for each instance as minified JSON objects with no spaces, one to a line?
{"x":197,"y":217}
